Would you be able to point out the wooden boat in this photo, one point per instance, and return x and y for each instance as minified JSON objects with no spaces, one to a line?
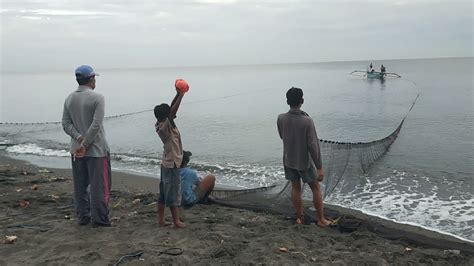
{"x":375,"y":75}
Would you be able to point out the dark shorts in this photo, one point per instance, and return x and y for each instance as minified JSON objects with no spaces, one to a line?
{"x":170,"y":187}
{"x":308,"y":176}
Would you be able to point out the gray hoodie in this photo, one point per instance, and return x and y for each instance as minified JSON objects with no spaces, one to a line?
{"x":300,"y":141}
{"x":83,"y":115}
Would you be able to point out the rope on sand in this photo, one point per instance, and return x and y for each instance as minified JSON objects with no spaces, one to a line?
{"x":174,"y":251}
{"x":39,"y":227}
{"x":136,"y":254}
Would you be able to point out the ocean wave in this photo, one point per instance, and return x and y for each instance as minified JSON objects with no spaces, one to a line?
{"x":410,"y":198}
{"x":33,"y":149}
{"x":239,"y":175}
{"x":127,"y":158}
{"x":242,"y":175}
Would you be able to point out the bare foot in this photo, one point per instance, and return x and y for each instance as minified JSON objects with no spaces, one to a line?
{"x":324,"y":223}
{"x":179,"y":224}
{"x":163,"y":223}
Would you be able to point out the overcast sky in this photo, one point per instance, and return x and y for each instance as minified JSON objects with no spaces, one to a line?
{"x":55,"y":34}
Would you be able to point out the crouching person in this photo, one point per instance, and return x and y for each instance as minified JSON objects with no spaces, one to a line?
{"x":193,"y":188}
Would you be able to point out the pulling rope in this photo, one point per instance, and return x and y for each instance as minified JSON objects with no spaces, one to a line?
{"x":173,"y":251}
{"x":138,"y":112}
{"x":37,"y":227}
{"x":373,"y":154}
{"x":392,"y":73}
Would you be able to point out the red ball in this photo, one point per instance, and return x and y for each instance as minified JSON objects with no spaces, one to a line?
{"x":181,"y":85}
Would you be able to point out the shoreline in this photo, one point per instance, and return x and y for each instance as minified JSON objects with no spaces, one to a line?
{"x":215,"y":233}
{"x":141,"y":183}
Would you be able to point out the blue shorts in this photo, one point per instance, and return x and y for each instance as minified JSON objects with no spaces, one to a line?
{"x":170,"y":187}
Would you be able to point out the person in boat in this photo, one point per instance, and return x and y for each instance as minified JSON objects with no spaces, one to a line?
{"x":382,"y":69}
{"x":194,"y":189}
{"x":371,"y":68}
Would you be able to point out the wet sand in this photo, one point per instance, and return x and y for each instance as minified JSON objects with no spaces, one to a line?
{"x":48,"y":234}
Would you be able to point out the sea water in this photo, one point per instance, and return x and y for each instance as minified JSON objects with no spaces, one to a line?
{"x":228,"y":121}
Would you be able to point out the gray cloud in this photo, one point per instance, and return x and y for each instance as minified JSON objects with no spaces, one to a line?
{"x":62,"y":34}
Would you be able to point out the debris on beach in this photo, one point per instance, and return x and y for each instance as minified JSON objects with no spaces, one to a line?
{"x":19,"y":190}
{"x":44,"y":171}
{"x":135,"y":201}
{"x":452,"y":251}
{"x":56,"y":179}
{"x":133,"y":214}
{"x":136,"y":255}
{"x":301,"y":253}
{"x":34,"y":187}
{"x":67,"y":217}
{"x":24,"y":203}
{"x":10,"y":239}
{"x":407,"y":249}
{"x":119,"y":203}
{"x":283,"y":249}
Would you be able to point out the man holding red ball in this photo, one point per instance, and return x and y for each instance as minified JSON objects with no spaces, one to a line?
{"x":170,"y":184}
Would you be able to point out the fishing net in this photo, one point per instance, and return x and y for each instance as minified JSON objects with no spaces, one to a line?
{"x":12,"y":130}
{"x":344,"y":163}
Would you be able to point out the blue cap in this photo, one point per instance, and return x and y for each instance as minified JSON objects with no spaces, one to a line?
{"x":85,"y":71}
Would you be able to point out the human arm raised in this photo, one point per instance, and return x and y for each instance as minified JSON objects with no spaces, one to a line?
{"x":175,"y":104}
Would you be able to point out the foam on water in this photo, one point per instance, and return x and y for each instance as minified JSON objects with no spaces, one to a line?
{"x":407,"y":223}
{"x":238,"y":175}
{"x":30,"y":148}
{"x":3,"y":144}
{"x":135,"y":159}
{"x":408,"y":198}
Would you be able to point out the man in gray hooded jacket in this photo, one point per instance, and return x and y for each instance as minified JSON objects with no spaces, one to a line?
{"x":82,"y":119}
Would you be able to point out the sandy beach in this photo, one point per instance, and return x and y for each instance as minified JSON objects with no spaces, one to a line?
{"x":37,"y":208}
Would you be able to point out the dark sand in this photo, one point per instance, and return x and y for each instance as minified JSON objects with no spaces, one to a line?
{"x":214,"y":234}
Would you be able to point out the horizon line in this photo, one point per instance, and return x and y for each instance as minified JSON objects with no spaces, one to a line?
{"x":241,"y":65}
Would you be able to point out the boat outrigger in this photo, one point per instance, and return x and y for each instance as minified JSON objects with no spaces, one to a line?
{"x":376,"y":74}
